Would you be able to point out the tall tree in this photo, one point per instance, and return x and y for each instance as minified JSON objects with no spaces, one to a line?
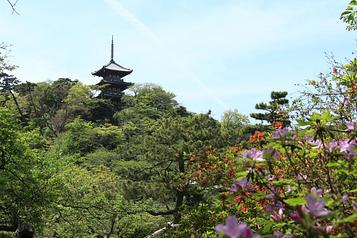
{"x":22,"y":188}
{"x":233,"y":125}
{"x":335,"y":91}
{"x":7,"y":86}
{"x":275,"y":109}
{"x":7,"y":81}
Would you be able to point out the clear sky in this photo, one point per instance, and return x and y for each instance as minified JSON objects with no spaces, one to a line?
{"x":213,"y":54}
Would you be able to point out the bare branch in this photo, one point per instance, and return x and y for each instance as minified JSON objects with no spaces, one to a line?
{"x":12,"y":5}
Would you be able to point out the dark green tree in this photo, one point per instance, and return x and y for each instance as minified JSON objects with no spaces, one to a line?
{"x":275,"y":110}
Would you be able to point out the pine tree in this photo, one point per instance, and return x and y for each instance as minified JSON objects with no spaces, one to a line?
{"x":275,"y":110}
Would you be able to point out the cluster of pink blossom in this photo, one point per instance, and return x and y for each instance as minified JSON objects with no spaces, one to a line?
{"x":314,"y":206}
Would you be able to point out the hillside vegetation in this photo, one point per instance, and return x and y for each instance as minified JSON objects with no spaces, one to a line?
{"x":75,"y":165}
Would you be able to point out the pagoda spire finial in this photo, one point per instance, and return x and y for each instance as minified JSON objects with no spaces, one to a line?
{"x":112,"y":51}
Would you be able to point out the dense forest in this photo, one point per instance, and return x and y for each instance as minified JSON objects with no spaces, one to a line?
{"x":76,"y":165}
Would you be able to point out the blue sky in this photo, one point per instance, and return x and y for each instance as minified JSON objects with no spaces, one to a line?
{"x":213,"y":54}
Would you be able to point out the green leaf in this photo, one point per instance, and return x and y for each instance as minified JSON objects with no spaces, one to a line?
{"x":267,"y":227}
{"x":329,"y":202}
{"x":326,"y":116}
{"x":241,"y":174}
{"x":350,"y":17}
{"x":303,"y":123}
{"x":350,"y":219}
{"x":315,"y":116}
{"x":295,"y":201}
{"x":284,"y":182}
{"x":332,"y":165}
{"x":345,"y":13}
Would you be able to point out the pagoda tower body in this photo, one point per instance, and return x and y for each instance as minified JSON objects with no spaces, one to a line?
{"x":112,"y":84}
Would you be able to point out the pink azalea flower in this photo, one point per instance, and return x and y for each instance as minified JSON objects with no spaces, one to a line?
{"x":233,"y":229}
{"x":350,"y":125}
{"x":347,"y":146}
{"x":279,"y":133}
{"x":277,"y":215}
{"x":295,"y":216}
{"x":329,"y":229}
{"x":254,"y":154}
{"x":317,"y":143}
{"x":242,"y":184}
{"x":332,"y":145}
{"x":315,"y":207}
{"x":317,"y":192}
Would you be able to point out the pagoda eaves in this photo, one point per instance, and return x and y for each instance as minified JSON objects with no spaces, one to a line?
{"x":107,"y":82}
{"x":112,"y":68}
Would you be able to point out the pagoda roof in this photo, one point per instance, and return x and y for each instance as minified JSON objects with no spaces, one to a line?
{"x":112,"y":68}
{"x":114,"y":83}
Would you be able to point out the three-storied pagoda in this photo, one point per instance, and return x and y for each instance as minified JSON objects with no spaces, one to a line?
{"x":112,"y":84}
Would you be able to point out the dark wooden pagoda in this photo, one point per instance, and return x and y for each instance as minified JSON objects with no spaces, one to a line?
{"x":112,"y":84}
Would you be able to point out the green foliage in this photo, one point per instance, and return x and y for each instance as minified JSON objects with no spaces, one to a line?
{"x":144,"y":224}
{"x":148,"y":102}
{"x":349,"y":16}
{"x":21,"y":184}
{"x":316,"y":160}
{"x":334,"y":92}
{"x":86,"y":202}
{"x":295,"y":201}
{"x":83,"y":137}
{"x":233,"y":126}
{"x":5,"y":66}
{"x":51,"y":105}
{"x":79,"y":166}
